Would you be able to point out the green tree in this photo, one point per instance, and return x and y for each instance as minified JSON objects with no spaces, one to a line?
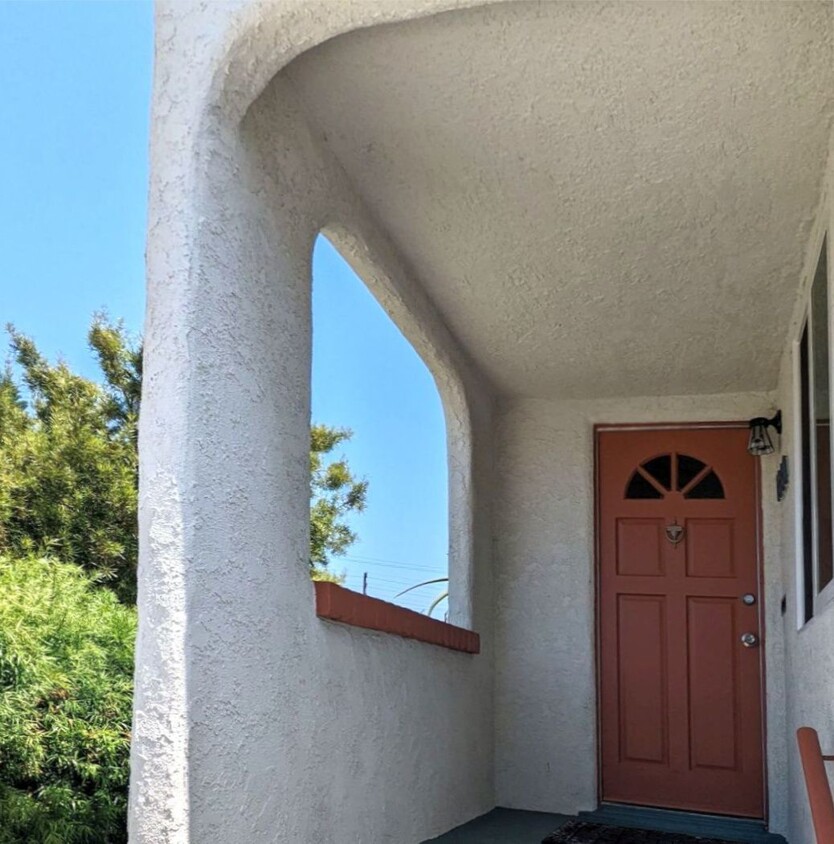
{"x":68,"y":488}
{"x":68,"y":464}
{"x":68,"y":457}
{"x":66,"y":682}
{"x":334,"y":494}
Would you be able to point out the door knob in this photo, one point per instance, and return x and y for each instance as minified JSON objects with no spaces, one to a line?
{"x":748,"y":599}
{"x":749,"y":640}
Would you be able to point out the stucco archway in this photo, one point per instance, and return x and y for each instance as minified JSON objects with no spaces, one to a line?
{"x":237,"y":682}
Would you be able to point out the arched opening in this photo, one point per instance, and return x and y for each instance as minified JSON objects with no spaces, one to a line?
{"x":369,"y":382}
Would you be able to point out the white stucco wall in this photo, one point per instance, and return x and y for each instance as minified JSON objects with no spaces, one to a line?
{"x":545,"y":690}
{"x":809,"y":651}
{"x":545,"y":684}
{"x":254,"y":720}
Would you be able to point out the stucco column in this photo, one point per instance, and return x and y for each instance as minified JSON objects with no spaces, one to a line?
{"x":225,"y":599}
{"x":254,"y":721}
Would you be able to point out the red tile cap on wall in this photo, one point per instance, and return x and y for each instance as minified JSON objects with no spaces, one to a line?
{"x":335,"y":603}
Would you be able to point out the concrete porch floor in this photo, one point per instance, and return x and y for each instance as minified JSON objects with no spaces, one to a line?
{"x":504,"y":826}
{"x":511,"y":826}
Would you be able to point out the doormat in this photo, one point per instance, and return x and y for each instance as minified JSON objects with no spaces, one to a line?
{"x":578,"y":832}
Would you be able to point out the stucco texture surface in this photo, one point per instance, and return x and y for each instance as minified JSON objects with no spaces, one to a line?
{"x":809,"y":651}
{"x":254,"y":720}
{"x":545,"y":686}
{"x":558,"y":203}
{"x":602,"y":198}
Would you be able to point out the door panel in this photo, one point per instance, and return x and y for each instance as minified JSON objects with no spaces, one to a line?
{"x":709,"y":548}
{"x":680,"y":695}
{"x":639,"y":547}
{"x":713,"y":707}
{"x":642,"y":680}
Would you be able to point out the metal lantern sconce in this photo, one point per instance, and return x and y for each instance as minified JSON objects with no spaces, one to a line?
{"x":760,"y":442}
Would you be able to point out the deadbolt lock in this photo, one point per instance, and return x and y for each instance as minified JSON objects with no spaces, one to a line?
{"x":749,"y":640}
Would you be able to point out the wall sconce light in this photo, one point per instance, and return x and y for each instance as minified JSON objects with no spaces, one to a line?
{"x":760,"y":442}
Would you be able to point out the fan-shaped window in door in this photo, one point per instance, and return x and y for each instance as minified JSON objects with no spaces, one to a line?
{"x":656,"y":477}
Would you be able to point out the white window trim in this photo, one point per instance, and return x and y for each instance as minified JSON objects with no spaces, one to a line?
{"x":821,"y":599}
{"x":798,"y":478}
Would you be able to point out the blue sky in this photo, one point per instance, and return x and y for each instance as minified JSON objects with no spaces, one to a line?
{"x":367,"y":377}
{"x":73,"y":182}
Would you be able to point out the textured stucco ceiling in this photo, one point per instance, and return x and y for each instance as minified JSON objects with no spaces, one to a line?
{"x":601,"y":198}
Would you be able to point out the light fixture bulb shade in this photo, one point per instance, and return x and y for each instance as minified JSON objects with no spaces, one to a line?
{"x":759,"y":442}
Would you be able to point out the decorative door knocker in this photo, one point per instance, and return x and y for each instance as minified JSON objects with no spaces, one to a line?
{"x":674,"y":533}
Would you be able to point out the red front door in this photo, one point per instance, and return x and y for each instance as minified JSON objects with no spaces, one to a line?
{"x":679,"y":633}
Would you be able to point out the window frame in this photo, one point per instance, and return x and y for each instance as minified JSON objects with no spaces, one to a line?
{"x":806,"y":609}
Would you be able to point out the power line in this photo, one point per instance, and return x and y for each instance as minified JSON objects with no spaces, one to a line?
{"x":389,"y":591}
{"x":403,"y":583}
{"x":404,"y":600}
{"x":394,"y":563}
{"x":385,"y":577}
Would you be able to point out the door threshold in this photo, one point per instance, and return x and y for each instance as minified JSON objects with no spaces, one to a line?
{"x":688,"y":823}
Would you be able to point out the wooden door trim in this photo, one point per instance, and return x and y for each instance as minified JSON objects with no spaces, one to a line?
{"x":602,"y":427}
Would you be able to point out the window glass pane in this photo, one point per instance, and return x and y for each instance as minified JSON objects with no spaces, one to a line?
{"x":688,"y":469}
{"x":660,"y":468}
{"x":821,"y":409}
{"x":639,"y":487}
{"x":807,"y":502}
{"x":709,"y":487}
